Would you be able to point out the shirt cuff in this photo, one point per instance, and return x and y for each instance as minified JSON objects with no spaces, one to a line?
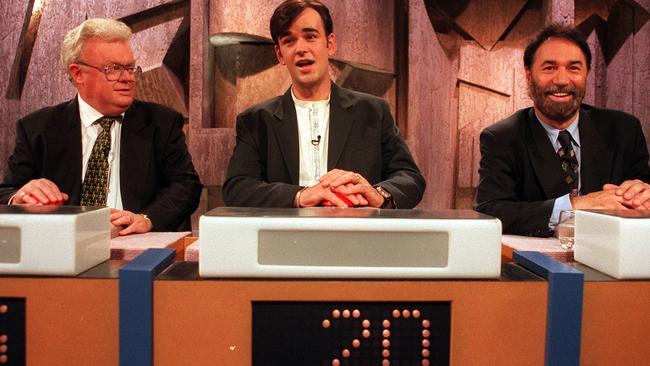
{"x":561,"y":204}
{"x":11,"y":200}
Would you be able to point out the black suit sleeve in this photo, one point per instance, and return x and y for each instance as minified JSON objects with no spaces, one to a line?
{"x":639,"y":167}
{"x":22,"y":167}
{"x":496,"y":194}
{"x":246,"y":185}
{"x":401,"y":176}
{"x":180,"y":190}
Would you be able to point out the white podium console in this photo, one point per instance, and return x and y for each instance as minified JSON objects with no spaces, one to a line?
{"x":53,"y":240}
{"x":348,"y":243}
{"x":615,"y":242}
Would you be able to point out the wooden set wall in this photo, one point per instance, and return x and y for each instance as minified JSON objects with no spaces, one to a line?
{"x":448,"y":69}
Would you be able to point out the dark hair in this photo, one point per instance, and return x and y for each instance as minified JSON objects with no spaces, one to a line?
{"x":287,"y":12}
{"x":557,"y":30}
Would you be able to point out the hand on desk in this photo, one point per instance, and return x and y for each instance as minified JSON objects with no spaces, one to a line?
{"x":131,"y":222}
{"x":352,"y":185}
{"x":635,"y":192}
{"x":337,"y":186}
{"x":606,"y":199}
{"x":39,"y":192}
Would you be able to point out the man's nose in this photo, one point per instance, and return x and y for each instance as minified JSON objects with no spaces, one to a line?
{"x":561,"y":77}
{"x":126,"y":77}
{"x":301,"y":46}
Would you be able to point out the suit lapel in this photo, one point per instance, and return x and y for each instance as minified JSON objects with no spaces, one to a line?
{"x":596,"y":156}
{"x":135,"y":153}
{"x":544,"y":159}
{"x":286,"y":132}
{"x":64,"y":151}
{"x":340,"y":124}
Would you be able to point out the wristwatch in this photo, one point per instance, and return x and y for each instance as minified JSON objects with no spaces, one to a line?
{"x":388,"y":198}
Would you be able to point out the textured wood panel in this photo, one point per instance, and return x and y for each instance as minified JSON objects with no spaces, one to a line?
{"x":502,"y":13}
{"x":587,"y":8}
{"x":596,"y":93}
{"x":432,"y":106}
{"x":641,"y":45}
{"x":477,"y":109}
{"x":216,"y":145}
{"x":491,"y":70}
{"x":559,"y":11}
{"x":160,"y":85}
{"x":620,"y":51}
{"x":13,"y":14}
{"x":245,"y":75}
{"x":151,"y":45}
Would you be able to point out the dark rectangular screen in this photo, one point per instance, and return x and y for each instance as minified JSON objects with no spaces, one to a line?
{"x":351,"y":333}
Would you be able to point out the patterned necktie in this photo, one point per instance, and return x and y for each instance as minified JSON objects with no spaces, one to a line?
{"x":95,"y":186}
{"x":569,"y":161}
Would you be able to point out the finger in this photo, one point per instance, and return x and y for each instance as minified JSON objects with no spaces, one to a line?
{"x":362,"y":200}
{"x":347,"y":178}
{"x":633,"y":190}
{"x":26,"y":198}
{"x":331,"y":176}
{"x":623,"y":187}
{"x":124,"y":220}
{"x":335,"y":200}
{"x":51,"y":189}
{"x":128,"y":230}
{"x":351,"y":196}
{"x":609,"y":186}
{"x":38,"y":194}
{"x":116,"y":214}
{"x":65,"y":196}
{"x":642,"y":197}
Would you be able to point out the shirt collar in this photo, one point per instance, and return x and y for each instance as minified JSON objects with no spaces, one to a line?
{"x":310,"y":104}
{"x":553,"y":132}
{"x":88,"y":114}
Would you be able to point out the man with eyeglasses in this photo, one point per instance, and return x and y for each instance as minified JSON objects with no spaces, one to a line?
{"x":103,"y":148}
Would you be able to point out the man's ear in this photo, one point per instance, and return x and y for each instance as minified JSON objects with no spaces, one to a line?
{"x":74,"y":71}
{"x":331,"y":44}
{"x":278,"y":54}
{"x":527,"y":74}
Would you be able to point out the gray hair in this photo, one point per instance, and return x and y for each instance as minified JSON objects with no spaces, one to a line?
{"x":101,"y":28}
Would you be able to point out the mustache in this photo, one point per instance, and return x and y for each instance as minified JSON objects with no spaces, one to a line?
{"x":568,"y":89}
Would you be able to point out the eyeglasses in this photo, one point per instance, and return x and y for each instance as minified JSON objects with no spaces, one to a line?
{"x":114,"y":72}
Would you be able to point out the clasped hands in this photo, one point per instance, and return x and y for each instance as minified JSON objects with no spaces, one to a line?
{"x":631,"y":194}
{"x":352,"y":186}
{"x":45,"y":192}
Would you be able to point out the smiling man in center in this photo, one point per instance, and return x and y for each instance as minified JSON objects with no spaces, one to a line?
{"x":318,"y":143}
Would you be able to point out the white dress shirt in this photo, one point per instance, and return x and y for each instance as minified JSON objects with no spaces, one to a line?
{"x":313,"y":134}
{"x":89,"y":133}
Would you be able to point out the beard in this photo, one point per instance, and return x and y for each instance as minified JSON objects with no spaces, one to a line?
{"x":556,"y":111}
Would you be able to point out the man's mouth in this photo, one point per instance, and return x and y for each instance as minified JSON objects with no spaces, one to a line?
{"x":304,"y":65}
{"x":560,"y":96}
{"x":123,"y":91}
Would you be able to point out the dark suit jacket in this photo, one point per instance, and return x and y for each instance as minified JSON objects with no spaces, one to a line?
{"x":521,"y":174}
{"x":363,"y":138}
{"x":157,"y":177}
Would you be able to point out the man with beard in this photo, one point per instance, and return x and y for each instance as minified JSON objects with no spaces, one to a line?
{"x":560,"y":154}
